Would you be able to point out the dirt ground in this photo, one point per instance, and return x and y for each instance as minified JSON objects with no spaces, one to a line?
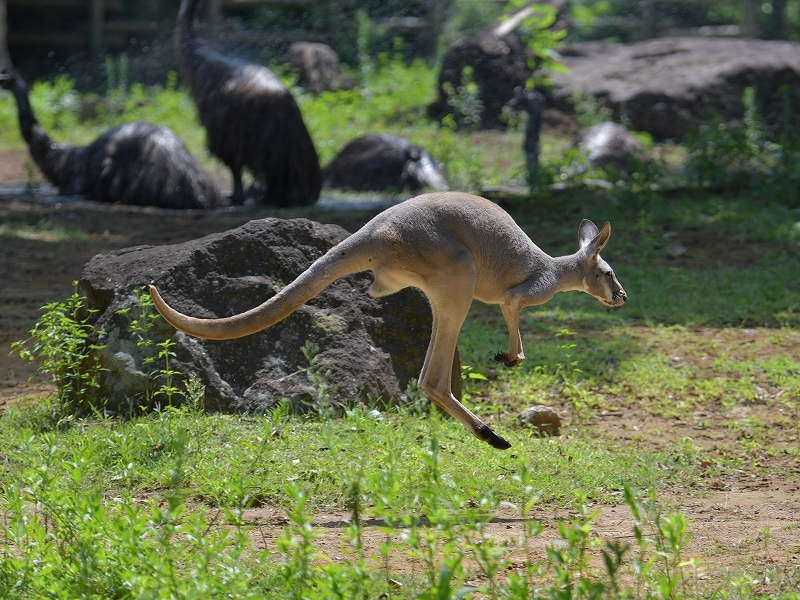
{"x":732,"y":533}
{"x":742,"y":521}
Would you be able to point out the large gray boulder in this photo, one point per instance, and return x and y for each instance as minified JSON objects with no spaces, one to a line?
{"x":668,"y":86}
{"x":367,"y":348}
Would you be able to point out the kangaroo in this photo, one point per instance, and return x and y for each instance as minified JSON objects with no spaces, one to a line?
{"x":454,"y":247}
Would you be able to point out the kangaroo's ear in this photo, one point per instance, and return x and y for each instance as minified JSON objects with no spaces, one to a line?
{"x":597,"y":243}
{"x":587,"y":232}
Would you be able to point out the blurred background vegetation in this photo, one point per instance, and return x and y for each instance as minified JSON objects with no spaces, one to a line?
{"x":392,"y":51}
{"x":51,"y":37}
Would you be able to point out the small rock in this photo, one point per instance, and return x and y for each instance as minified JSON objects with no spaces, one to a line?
{"x":675,"y":250}
{"x":541,"y":418}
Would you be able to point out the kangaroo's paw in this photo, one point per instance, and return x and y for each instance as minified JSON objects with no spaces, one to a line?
{"x":491,"y":438}
{"x":509,"y":362}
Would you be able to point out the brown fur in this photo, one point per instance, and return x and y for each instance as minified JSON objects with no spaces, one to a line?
{"x":454,"y":247}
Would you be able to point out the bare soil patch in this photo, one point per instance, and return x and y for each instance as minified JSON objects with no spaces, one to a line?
{"x":732,"y":533}
{"x":745,"y":519}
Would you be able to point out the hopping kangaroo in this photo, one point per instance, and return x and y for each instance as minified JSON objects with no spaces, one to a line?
{"x":454,"y":247}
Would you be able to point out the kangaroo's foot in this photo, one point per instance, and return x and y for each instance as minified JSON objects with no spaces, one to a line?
{"x":509,"y":362}
{"x":491,"y":438}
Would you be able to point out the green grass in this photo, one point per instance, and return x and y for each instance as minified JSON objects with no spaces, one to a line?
{"x":127,"y":508}
{"x":391,"y":100}
{"x":223,"y":457}
{"x":154,"y":506}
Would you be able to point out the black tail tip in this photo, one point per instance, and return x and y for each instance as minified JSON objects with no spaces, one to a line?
{"x":495,"y":441}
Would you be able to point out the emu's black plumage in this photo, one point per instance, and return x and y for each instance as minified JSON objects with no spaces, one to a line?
{"x":133,"y":163}
{"x":251,"y":120}
{"x":380,"y":162}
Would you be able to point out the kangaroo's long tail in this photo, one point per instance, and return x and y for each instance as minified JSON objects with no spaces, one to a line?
{"x":343,"y":259}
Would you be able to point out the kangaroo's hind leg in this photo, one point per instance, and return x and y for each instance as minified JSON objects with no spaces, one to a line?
{"x":450,"y":300}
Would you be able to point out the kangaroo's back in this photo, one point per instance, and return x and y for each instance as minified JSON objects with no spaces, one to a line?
{"x":434,"y":228}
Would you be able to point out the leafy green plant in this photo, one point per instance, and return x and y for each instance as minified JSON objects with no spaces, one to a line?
{"x":661,"y":539}
{"x":319,"y":377}
{"x":56,"y":521}
{"x":590,"y":110}
{"x":465,"y":99}
{"x":724,"y":156}
{"x":156,"y":355}
{"x":570,"y":559}
{"x":60,"y":343}
{"x":536,"y":31}
{"x":296,"y":546}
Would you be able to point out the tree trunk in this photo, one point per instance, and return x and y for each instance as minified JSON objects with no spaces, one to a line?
{"x":648,"y":19}
{"x":96,"y":18}
{"x":779,"y":19}
{"x":5,"y":57}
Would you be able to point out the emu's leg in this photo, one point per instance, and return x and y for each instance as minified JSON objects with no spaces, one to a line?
{"x":514,"y":356}
{"x":237,"y":197}
{"x":450,"y":303}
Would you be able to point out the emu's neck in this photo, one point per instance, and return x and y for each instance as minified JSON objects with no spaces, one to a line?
{"x":50,"y":157}
{"x":187,"y":13}
{"x":28,"y":124}
{"x":189,"y":43}
{"x":188,"y":39}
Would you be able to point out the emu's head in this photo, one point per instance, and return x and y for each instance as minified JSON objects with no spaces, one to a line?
{"x":8,"y":78}
{"x":530,"y":101}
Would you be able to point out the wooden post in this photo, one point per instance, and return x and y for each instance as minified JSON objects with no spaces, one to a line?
{"x":779,"y":19}
{"x":5,"y":57}
{"x":337,"y":25}
{"x":96,"y":19}
{"x":648,"y":19}
{"x":750,"y":23}
{"x":436,"y":9}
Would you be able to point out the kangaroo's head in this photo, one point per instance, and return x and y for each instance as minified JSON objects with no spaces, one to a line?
{"x":598,"y":279}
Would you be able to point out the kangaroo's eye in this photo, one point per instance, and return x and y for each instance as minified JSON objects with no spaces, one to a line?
{"x":609,"y":274}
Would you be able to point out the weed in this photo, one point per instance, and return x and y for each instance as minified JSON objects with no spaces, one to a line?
{"x":61,"y":345}
{"x":161,"y":388}
{"x":296,"y":546}
{"x":723,"y":156}
{"x":465,"y":100}
{"x":320,"y":405}
{"x":590,"y":110}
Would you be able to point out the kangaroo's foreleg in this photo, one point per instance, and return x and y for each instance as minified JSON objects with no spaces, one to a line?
{"x":450,"y":302}
{"x":511,"y":309}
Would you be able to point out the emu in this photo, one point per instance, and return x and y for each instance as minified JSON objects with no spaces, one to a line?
{"x":134,"y":163}
{"x":251,"y":120}
{"x":379,"y":162}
